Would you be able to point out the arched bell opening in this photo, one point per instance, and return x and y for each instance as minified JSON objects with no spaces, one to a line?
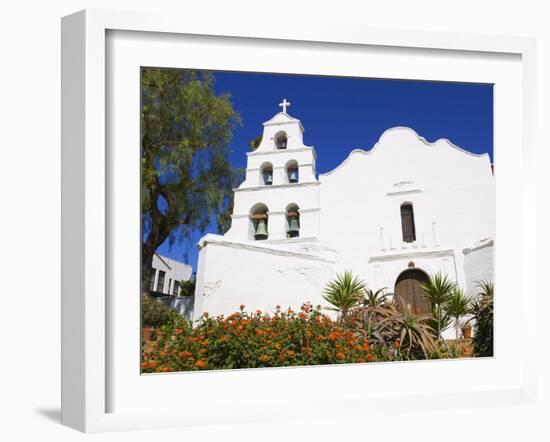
{"x":292,"y":171}
{"x":293,"y":221}
{"x":409,"y":293}
{"x":266,"y":172}
{"x":281,"y":140}
{"x":259,"y":222}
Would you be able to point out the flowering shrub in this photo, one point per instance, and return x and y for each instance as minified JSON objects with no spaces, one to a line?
{"x":251,"y":340}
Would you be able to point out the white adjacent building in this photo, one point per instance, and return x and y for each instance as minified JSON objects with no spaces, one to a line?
{"x":392,"y":215}
{"x":168,"y":274}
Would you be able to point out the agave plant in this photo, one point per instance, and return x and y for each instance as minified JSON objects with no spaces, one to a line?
{"x":413,"y":333}
{"x":438,"y":290}
{"x":367,"y":319}
{"x":457,"y":306}
{"x":344,"y":293}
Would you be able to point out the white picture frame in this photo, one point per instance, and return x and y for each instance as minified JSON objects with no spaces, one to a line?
{"x":85,"y":217}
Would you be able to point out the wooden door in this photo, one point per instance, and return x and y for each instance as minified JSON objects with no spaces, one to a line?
{"x":408,"y":291}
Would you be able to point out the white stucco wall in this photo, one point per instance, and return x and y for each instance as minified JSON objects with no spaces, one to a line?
{"x":451,"y":191}
{"x":259,"y":275}
{"x":478,"y":264}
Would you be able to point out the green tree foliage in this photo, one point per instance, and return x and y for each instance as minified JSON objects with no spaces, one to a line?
{"x":186,"y":176}
{"x":255,"y":143}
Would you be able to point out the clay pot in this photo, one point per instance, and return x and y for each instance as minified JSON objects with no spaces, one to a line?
{"x":147,"y":333}
{"x":467,"y":332}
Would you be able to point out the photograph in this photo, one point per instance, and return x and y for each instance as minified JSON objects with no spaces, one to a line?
{"x":293,"y":220}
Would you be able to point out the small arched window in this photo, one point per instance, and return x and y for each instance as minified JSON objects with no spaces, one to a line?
{"x":292,"y":171}
{"x":267,"y":174}
{"x":293,"y":221}
{"x":259,"y":222}
{"x":281,"y":140}
{"x":407,"y":222}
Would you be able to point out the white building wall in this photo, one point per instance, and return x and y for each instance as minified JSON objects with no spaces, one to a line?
{"x":174,"y":271}
{"x":478,"y":265}
{"x":451,"y":191}
{"x":257,"y":276}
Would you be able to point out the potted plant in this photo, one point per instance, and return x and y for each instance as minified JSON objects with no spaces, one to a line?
{"x":466,"y":330}
{"x":147,"y":333}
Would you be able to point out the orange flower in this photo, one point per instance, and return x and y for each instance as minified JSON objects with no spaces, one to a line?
{"x":340,"y":355}
{"x":277,"y":346}
{"x":185,"y":354}
{"x":165,"y":369}
{"x":224,"y":338}
{"x":144,"y":365}
{"x":358,"y":348}
{"x":302,"y":315}
{"x":179,"y":331}
{"x":397,"y":344}
{"x":264,"y":358}
{"x":152,"y":364}
{"x":201,"y":364}
{"x":366,"y":346}
{"x":334,"y":335}
{"x":203,"y":351}
{"x":291,"y":353}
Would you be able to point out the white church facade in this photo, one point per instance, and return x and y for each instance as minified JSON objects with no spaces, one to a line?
{"x":392,"y":215}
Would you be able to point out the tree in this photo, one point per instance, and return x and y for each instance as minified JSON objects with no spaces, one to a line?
{"x":186,"y":177}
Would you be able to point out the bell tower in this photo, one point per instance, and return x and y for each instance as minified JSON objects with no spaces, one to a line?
{"x":279,"y":199}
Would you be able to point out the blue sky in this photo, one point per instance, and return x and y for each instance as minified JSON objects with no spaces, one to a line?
{"x":341,"y":114}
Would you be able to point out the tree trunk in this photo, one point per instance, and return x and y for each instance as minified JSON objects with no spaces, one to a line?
{"x":155,"y":238}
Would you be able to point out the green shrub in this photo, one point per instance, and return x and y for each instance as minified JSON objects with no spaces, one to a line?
{"x":187,"y":288}
{"x":155,"y":314}
{"x":250,"y":340}
{"x":483,"y":316}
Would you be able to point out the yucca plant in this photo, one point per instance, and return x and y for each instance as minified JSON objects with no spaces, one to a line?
{"x":457,"y":306}
{"x":344,"y":293}
{"x":438,"y":291}
{"x":375,"y":299}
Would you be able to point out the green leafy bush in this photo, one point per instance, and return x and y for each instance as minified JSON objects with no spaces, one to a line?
{"x":250,"y":340}
{"x":155,"y":314}
{"x":483,"y":316}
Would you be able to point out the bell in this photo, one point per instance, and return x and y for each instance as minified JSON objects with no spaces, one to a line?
{"x":293,"y":178}
{"x":261,"y":230}
{"x":293,"y":228}
{"x":268,"y":179}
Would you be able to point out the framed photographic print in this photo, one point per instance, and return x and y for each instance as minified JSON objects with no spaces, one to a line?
{"x":256,"y":211}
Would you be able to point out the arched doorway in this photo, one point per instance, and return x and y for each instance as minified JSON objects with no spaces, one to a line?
{"x":408,"y":291}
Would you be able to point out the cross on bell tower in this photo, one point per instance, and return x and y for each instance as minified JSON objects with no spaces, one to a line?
{"x":284,"y":104}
